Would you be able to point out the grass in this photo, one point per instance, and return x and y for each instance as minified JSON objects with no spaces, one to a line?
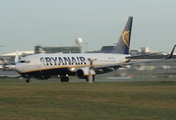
{"x":52,"y":100}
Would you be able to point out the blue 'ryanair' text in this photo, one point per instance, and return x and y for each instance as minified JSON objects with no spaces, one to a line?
{"x":63,"y":60}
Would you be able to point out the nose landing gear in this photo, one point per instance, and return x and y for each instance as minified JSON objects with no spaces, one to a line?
{"x":28,"y":80}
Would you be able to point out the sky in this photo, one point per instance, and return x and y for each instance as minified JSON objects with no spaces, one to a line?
{"x":27,"y":23}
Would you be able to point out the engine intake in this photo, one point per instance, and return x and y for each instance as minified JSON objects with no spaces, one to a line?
{"x":83,"y":72}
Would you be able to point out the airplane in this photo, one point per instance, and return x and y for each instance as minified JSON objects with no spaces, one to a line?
{"x":82,"y":65}
{"x":5,"y":66}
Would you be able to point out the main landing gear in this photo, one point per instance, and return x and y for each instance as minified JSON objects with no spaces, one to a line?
{"x":88,"y":78}
{"x":64,"y":79}
{"x":28,"y":80}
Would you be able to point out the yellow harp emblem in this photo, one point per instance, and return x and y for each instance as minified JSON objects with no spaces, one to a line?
{"x":126,"y":37}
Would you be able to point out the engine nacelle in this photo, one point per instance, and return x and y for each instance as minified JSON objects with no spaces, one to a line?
{"x":83,"y":72}
{"x":42,"y":77}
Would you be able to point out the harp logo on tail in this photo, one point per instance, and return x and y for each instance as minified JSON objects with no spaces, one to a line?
{"x":126,"y":37}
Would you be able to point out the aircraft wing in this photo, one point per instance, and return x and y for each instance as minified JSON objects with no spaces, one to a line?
{"x":143,"y":55}
{"x":120,"y":65}
{"x":169,"y":56}
{"x":136,"y":62}
{"x":155,"y":60}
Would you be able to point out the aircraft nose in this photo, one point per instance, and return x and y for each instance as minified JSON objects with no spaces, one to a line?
{"x":18,"y":68}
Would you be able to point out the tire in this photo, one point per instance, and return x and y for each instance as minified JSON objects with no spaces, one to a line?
{"x":66,"y":79}
{"x":28,"y":80}
{"x":62,"y":79}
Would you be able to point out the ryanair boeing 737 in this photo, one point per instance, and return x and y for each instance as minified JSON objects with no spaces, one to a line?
{"x":82,"y":65}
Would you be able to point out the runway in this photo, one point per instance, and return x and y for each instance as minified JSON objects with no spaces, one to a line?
{"x":110,"y":77}
{"x":9,"y":74}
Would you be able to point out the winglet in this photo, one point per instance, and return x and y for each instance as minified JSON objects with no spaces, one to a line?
{"x":16,"y":57}
{"x":171,"y":53}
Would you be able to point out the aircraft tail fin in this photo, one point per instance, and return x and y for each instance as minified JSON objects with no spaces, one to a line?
{"x":6,"y":65}
{"x":16,"y":57}
{"x":123,"y":45}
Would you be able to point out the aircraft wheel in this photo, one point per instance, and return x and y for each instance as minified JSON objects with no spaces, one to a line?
{"x":62,"y":79}
{"x":66,"y":79}
{"x":93,"y":77}
{"x":87,"y":79}
{"x":28,"y":80}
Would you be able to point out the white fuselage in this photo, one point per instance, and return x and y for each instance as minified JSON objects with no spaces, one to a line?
{"x":43,"y":62}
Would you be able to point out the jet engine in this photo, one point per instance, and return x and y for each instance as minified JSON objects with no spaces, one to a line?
{"x":83,"y":72}
{"x":42,"y":77}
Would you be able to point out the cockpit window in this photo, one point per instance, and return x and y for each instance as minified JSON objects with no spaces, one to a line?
{"x":24,"y":61}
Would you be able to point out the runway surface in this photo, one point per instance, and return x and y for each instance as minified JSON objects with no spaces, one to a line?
{"x":110,"y":77}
